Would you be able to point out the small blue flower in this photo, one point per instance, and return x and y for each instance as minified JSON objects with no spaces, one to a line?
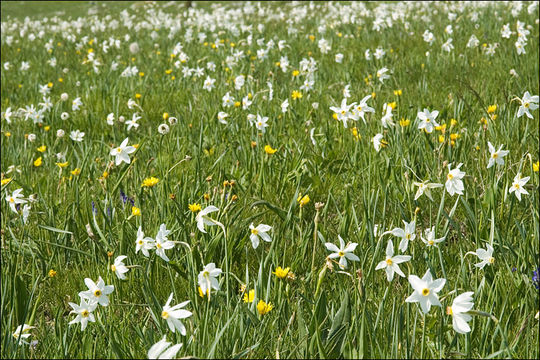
{"x":536,"y":278}
{"x":94,"y":210}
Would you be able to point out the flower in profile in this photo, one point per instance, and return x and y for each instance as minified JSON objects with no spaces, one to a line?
{"x":119,"y":268}
{"x":454,"y":184}
{"x":268,"y":149}
{"x":486,"y":256}
{"x":150,"y":182}
{"x":259,"y":231}
{"x":208,"y":278}
{"x":518,"y":186}
{"x":425,"y":291}
{"x":460,"y":306}
{"x":162,"y":242}
{"x":263,"y":308}
{"x":22,"y":332}
{"x":425,"y":187}
{"x":97,"y":292}
{"x":303,"y":200}
{"x":161,"y":350}
{"x":281,"y":273}
{"x":496,"y":156}
{"x":84,"y":312}
{"x":174,"y":314}
{"x":203,"y":219}
{"x":391,"y":262}
{"x":249,"y":296}
{"x":378,"y":142}
{"x":121,"y":153}
{"x":15,"y":198}
{"x":430,"y":237}
{"x":343,"y":252}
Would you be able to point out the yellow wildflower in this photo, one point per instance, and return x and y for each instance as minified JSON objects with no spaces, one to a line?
{"x":536,"y":165}
{"x":135,"y":211}
{"x":7,"y":180}
{"x":149,"y":182}
{"x":281,"y":273}
{"x":38,"y":162}
{"x":268,"y":149}
{"x":76,"y":171}
{"x":296,"y":95}
{"x":295,"y":73}
{"x":249,"y":296}
{"x":491,"y":109}
{"x":52,"y":273}
{"x":264,"y":308}
{"x":404,"y":122}
{"x":42,"y":148}
{"x":62,"y":165}
{"x":303,"y":200}
{"x":194,"y":207}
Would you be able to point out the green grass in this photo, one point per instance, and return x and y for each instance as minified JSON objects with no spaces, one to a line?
{"x":322,"y":312}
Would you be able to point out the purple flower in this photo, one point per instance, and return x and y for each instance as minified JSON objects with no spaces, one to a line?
{"x":514,"y":269}
{"x":536,"y":278}
{"x":94,"y":210}
{"x":123,"y":196}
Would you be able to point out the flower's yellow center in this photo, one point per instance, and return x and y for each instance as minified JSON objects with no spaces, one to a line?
{"x":206,"y":274}
{"x":495,"y":155}
{"x":119,"y":150}
{"x":427,"y":120}
{"x":140,"y":242}
{"x":526,"y":104}
{"x":158,"y":245}
{"x":254,"y":231}
{"x":449,"y":310}
{"x":342,"y":112}
{"x":431,"y":242}
{"x":85,"y":313}
{"x":408,"y":236}
{"x":516,"y":186}
{"x":341,"y":253}
{"x":425,"y":292}
{"x":97,"y":293}
{"x":491,"y":260}
{"x":113,"y":267}
{"x":359,"y":108}
{"x":259,"y":123}
{"x":450,"y":176}
{"x":11,"y":199}
{"x":389,"y":261}
{"x":164,"y":315}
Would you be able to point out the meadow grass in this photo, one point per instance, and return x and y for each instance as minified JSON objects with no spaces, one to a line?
{"x":79,"y":223}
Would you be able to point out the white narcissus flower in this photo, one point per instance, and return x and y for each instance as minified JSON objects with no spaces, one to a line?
{"x":174,"y":314}
{"x":496,"y":156}
{"x":259,"y":231}
{"x":427,"y":120}
{"x":15,"y":198}
{"x":119,"y":268}
{"x":518,"y":186}
{"x":485,"y":255}
{"x":84,"y":312}
{"x":387,"y":116}
{"x":203,"y":219}
{"x":221,"y":117}
{"x":454,"y":184}
{"x":97,"y":292}
{"x":284,"y":106}
{"x":261,"y":123}
{"x":528,"y":103}
{"x":161,"y":350}
{"x":378,"y":142}
{"x":460,"y":306}
{"x":430,"y":237}
{"x":208,"y":278}
{"x":406,"y":234}
{"x":143,"y":243}
{"x":121,"y":153}
{"x":22,"y":332}
{"x":343,"y":252}
{"x":343,"y":114}
{"x":76,"y":135}
{"x":359,"y":110}
{"x":425,"y":291}
{"x":391,"y":262}
{"x":162,"y":242}
{"x":425,"y":187}
{"x":382,"y":75}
